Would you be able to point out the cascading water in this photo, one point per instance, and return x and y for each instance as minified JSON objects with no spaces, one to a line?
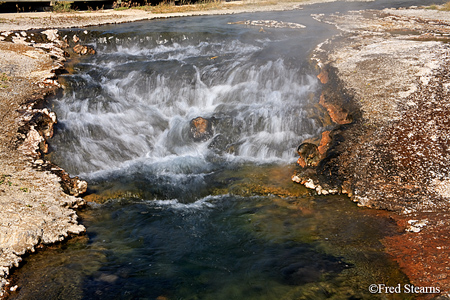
{"x":209,"y":218}
{"x":133,"y":103}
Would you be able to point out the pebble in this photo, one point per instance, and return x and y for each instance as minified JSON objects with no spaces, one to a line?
{"x":416,"y":225}
{"x":38,"y":162}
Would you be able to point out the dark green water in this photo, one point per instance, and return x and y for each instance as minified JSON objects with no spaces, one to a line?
{"x":227,"y":246}
{"x":220,"y":247}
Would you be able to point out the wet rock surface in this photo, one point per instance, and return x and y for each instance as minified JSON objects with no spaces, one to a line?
{"x":201,"y":129}
{"x":394,"y":154}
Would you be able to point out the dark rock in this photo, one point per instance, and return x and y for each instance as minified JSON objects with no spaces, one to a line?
{"x":227,"y":131}
{"x":338,"y":115}
{"x":222,"y":143}
{"x":323,"y":76}
{"x":71,"y":185}
{"x":309,"y":155}
{"x":201,"y":129}
{"x":44,"y":121}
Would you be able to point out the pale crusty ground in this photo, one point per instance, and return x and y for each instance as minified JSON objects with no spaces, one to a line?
{"x":392,"y":64}
{"x":396,"y":156}
{"x":34,"y":209}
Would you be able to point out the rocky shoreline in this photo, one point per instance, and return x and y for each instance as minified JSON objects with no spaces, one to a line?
{"x":386,"y":87}
{"x":35,"y":210}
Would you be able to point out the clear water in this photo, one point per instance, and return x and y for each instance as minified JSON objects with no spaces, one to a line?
{"x":219,"y":247}
{"x":213,"y":219}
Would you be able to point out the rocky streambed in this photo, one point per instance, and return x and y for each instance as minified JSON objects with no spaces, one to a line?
{"x":386,"y":87}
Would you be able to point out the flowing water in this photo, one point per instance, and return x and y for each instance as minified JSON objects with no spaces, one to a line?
{"x":210,"y":218}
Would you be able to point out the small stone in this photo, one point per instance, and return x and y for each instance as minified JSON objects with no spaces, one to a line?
{"x":295,"y":178}
{"x":310,"y":184}
{"x":52,"y":34}
{"x":83,"y":50}
{"x":413,"y":229}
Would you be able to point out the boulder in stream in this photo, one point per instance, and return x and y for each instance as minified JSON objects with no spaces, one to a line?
{"x":201,"y":129}
{"x":83,"y":50}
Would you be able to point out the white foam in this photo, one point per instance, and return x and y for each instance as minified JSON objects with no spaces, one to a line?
{"x":141,"y":116}
{"x":201,"y":203}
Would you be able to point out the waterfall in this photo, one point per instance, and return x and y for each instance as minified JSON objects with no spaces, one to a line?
{"x":134,"y":102}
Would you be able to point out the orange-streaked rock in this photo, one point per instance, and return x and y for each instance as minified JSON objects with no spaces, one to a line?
{"x":337,"y":114}
{"x":323,"y":76}
{"x":324,"y":142}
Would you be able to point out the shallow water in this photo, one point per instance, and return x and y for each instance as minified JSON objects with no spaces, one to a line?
{"x":219,"y":218}
{"x":219,"y":247}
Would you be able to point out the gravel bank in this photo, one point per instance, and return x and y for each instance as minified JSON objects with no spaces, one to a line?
{"x":48,"y":20}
